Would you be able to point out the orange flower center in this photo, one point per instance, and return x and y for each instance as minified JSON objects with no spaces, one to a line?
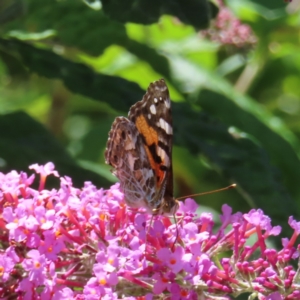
{"x":110,"y":260}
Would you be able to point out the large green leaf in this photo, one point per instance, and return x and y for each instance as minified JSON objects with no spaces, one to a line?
{"x":77,"y":77}
{"x":236,"y":158}
{"x":279,"y":150}
{"x":96,"y":31}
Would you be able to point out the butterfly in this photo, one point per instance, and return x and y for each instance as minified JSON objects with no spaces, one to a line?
{"x":139,"y":148}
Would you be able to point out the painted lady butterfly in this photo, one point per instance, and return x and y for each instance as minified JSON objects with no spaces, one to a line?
{"x":140,"y":150}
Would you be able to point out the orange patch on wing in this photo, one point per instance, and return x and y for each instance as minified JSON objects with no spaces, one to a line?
{"x":148,"y":132}
{"x":151,"y":137}
{"x":158,"y":172}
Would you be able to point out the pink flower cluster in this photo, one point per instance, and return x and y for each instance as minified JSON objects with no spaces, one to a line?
{"x":71,"y":243}
{"x":226,"y":29}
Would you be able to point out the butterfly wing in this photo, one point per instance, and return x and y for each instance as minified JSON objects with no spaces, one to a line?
{"x":140,"y":150}
{"x":153,"y":119}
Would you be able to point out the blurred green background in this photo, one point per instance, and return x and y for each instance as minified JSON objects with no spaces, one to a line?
{"x":68,"y":68}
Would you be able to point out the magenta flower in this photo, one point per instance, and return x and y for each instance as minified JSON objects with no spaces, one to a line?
{"x":63,"y":294}
{"x":6,"y":266}
{"x":173,"y":260}
{"x":162,"y":281}
{"x":73,"y":243}
{"x":36,"y":266}
{"x":44,"y":171}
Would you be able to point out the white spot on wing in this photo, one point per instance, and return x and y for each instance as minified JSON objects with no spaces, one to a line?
{"x":153,"y":109}
{"x":164,"y":125}
{"x":155,"y":100}
{"x":149,"y":116}
{"x":168,"y":103}
{"x":163,"y":155}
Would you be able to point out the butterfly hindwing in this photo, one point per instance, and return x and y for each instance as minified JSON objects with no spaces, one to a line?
{"x":125,"y":152}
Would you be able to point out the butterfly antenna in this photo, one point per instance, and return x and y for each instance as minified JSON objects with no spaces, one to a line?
{"x":232,"y":186}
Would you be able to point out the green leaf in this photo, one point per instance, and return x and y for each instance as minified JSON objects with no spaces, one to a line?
{"x":23,"y":142}
{"x":195,"y":12}
{"x":270,"y":4}
{"x":73,"y":23}
{"x":158,"y":62}
{"x":279,"y":150}
{"x":77,"y":77}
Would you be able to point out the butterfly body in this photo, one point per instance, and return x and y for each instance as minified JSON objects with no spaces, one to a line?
{"x":139,"y":148}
